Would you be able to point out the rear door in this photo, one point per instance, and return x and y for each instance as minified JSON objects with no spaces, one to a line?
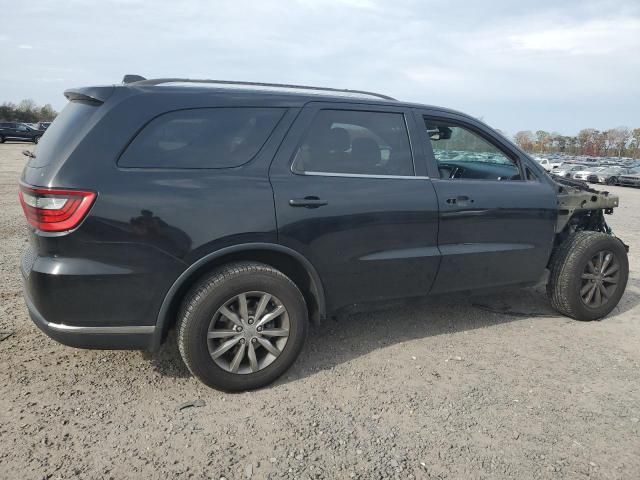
{"x":497,"y":211}
{"x":351,"y":199}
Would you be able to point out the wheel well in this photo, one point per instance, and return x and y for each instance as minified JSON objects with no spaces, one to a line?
{"x":287,"y":264}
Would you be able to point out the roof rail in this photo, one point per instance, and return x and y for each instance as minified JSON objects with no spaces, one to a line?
{"x":159,"y":81}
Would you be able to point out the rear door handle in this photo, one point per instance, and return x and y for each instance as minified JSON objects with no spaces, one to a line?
{"x":307,"y":202}
{"x":459,"y":200}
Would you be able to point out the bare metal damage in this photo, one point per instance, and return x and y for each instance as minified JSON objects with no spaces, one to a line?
{"x":581,"y":207}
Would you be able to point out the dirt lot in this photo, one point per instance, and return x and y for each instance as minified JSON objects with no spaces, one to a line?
{"x":489,"y":387}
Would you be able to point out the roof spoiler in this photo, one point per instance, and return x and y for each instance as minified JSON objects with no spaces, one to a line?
{"x":89,"y":95}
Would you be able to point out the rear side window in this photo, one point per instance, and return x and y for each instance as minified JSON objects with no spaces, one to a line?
{"x":356,"y":143}
{"x":202,"y":138}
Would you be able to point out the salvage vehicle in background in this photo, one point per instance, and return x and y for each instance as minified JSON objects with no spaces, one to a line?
{"x":609,"y":175}
{"x":567,"y":170}
{"x":547,"y":164}
{"x":18,"y":131}
{"x":238,"y":215}
{"x":629,"y":180}
{"x":584,"y":174}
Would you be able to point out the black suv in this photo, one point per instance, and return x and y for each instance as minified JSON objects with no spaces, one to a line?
{"x":19,"y":131}
{"x":237,"y":214}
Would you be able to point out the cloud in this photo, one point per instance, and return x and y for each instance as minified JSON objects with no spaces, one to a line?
{"x":24,"y":46}
{"x":598,"y":37}
{"x":520,"y":65}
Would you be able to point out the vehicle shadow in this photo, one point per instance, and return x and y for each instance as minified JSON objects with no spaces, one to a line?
{"x":339,"y":340}
{"x":167,"y":361}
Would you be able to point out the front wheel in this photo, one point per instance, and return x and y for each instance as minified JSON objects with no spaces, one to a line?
{"x":36,"y":140}
{"x":589,"y":274}
{"x":612,"y":181}
{"x":242,"y":327}
{"x":2,"y":139}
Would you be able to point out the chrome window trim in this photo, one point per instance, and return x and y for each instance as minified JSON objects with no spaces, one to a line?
{"x":357,"y":175}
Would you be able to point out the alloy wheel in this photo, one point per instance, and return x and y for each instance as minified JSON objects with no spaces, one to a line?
{"x":248,"y":332}
{"x":599,"y":279}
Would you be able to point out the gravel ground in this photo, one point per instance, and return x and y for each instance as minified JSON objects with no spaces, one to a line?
{"x":495,"y":386}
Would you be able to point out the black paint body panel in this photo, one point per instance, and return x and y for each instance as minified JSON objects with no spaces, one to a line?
{"x":376,"y":239}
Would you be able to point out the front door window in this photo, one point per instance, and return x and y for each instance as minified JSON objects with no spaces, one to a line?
{"x":463,"y":154}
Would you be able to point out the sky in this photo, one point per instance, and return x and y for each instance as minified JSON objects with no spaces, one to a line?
{"x":558,"y":65}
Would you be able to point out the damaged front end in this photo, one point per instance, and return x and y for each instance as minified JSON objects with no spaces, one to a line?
{"x":581,"y":208}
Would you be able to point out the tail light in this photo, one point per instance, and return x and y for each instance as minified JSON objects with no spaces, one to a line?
{"x":54,"y":209}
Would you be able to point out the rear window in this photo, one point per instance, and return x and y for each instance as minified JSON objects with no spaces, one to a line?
{"x":60,"y":138}
{"x":202,"y":138}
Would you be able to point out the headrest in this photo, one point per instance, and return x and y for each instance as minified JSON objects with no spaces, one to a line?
{"x":366,"y":149}
{"x":338,"y":140}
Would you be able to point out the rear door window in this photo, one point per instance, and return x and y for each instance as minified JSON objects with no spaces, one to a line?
{"x":202,"y":138}
{"x":356,"y":143}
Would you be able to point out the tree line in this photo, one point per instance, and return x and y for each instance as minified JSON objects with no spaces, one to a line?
{"x":616,"y":142}
{"x":26,"y":111}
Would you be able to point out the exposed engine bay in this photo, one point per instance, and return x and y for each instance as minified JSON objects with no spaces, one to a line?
{"x":581,"y":207}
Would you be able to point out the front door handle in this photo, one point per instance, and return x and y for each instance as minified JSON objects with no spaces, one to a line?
{"x":459,"y":200}
{"x":307,"y":202}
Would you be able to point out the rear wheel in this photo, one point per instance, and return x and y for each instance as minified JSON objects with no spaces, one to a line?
{"x":2,"y":139}
{"x":589,"y":274}
{"x":242,"y":327}
{"x":36,"y":140}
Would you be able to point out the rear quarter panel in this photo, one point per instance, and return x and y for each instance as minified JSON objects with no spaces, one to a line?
{"x":147,"y":225}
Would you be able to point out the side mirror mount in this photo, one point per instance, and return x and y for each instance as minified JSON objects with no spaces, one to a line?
{"x":439,"y":132}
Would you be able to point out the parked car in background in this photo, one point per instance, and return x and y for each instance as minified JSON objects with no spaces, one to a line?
{"x":609,"y":175}
{"x":583,"y":174}
{"x":19,"y":131}
{"x":568,"y":169}
{"x":547,"y":164}
{"x":629,"y":180}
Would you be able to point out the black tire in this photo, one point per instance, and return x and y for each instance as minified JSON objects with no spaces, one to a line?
{"x":2,"y":139}
{"x":569,"y":263}
{"x":204,"y":300}
{"x":612,"y":181}
{"x":36,"y":140}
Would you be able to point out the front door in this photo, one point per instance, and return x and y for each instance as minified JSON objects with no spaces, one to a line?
{"x":348,"y":197}
{"x":497,"y":213}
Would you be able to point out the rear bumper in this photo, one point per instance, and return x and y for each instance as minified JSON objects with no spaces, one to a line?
{"x":111,"y":338}
{"x":85,"y":304}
